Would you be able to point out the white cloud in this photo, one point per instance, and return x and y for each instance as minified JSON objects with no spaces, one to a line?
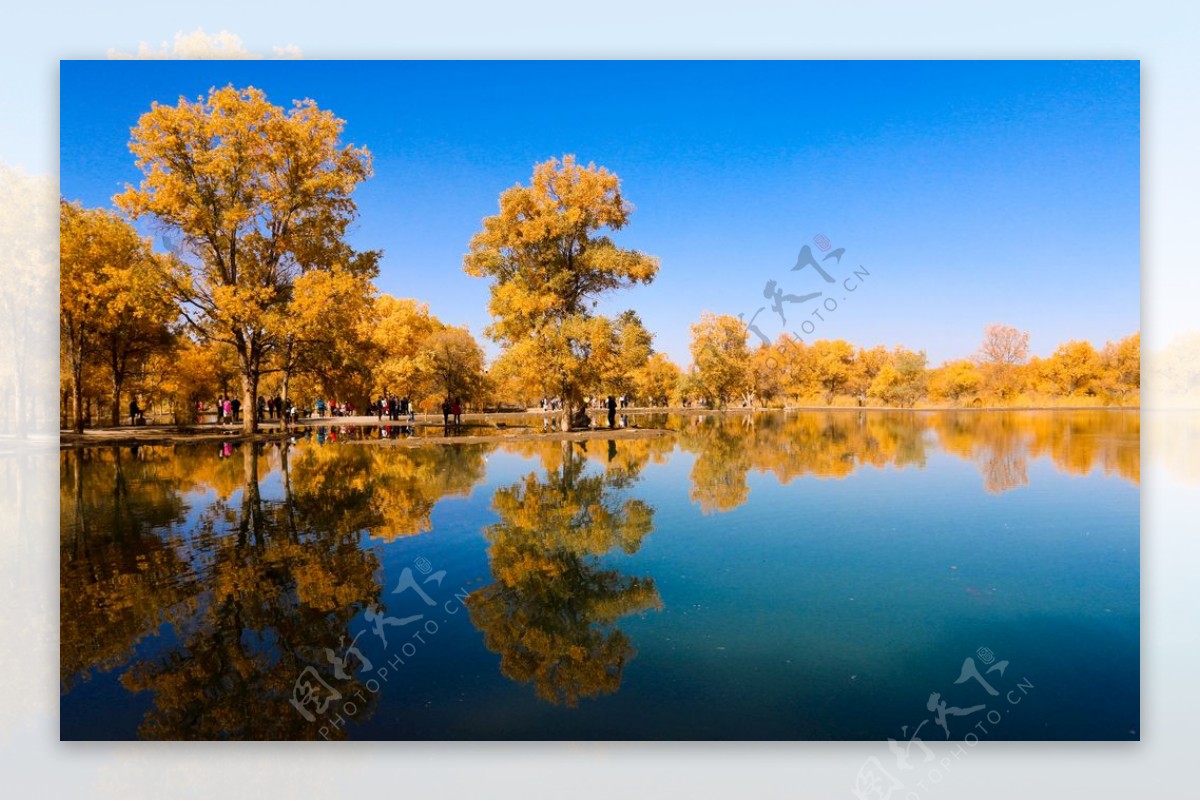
{"x":201,"y":45}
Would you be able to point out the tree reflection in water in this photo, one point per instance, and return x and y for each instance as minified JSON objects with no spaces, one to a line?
{"x":251,"y":591}
{"x":209,"y":584}
{"x":552,"y":610}
{"x":834,"y":444}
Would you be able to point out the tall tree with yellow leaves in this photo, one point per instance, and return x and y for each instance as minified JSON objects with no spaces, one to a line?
{"x":955,"y":379}
{"x":1123,"y":366}
{"x":834,"y":365}
{"x":259,"y":194}
{"x":633,"y":345}
{"x":550,"y":257}
{"x":325,"y":326}
{"x":456,"y":365}
{"x":656,"y":382}
{"x":399,"y":364}
{"x":112,"y":305}
{"x":720,"y":358}
{"x":1073,"y":370}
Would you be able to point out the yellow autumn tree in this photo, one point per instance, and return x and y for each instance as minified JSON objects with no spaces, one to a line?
{"x":764,"y":381}
{"x":955,"y":379}
{"x":868,"y":362}
{"x":112,"y":305}
{"x":136,"y":324}
{"x":1073,"y":370}
{"x":632,"y":347}
{"x":902,"y":381}
{"x":259,"y":195}
{"x":401,"y":326}
{"x":656,"y":383}
{"x":325,"y":323}
{"x":720,"y":358}
{"x":1122,"y":365}
{"x":550,"y":258}
{"x":193,"y":374}
{"x":834,"y":365}
{"x":456,"y":365}
{"x":796,"y":374}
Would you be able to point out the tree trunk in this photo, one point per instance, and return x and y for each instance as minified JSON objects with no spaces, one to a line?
{"x":287,"y":380}
{"x":77,"y":392}
{"x":283,"y":397}
{"x":580,"y":418}
{"x":574,"y":410}
{"x":116,"y":399}
{"x":250,"y":401}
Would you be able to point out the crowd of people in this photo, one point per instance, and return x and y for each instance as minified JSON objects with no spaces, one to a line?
{"x":555,"y":404}
{"x":335,"y":408}
{"x":393,"y":408}
{"x":228,"y":409}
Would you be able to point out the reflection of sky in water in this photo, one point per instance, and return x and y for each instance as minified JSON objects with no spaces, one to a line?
{"x":817,"y":608}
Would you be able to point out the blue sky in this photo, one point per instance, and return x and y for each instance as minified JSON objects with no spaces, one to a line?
{"x":972,"y":192}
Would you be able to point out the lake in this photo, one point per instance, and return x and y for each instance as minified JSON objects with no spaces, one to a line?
{"x":805,"y":575}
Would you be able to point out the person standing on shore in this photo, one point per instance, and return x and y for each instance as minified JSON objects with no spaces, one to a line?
{"x":456,"y":410}
{"x":133,"y":411}
{"x":612,"y":412}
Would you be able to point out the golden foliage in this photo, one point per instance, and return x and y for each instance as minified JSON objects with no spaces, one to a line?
{"x":549,"y":258}
{"x":259,"y":196}
{"x":720,"y":359}
{"x":833,"y":372}
{"x":114,"y":307}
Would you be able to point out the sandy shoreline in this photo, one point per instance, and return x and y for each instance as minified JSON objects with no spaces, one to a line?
{"x":478,"y":427}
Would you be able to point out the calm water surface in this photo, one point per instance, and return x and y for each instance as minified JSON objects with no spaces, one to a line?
{"x":805,"y":575}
